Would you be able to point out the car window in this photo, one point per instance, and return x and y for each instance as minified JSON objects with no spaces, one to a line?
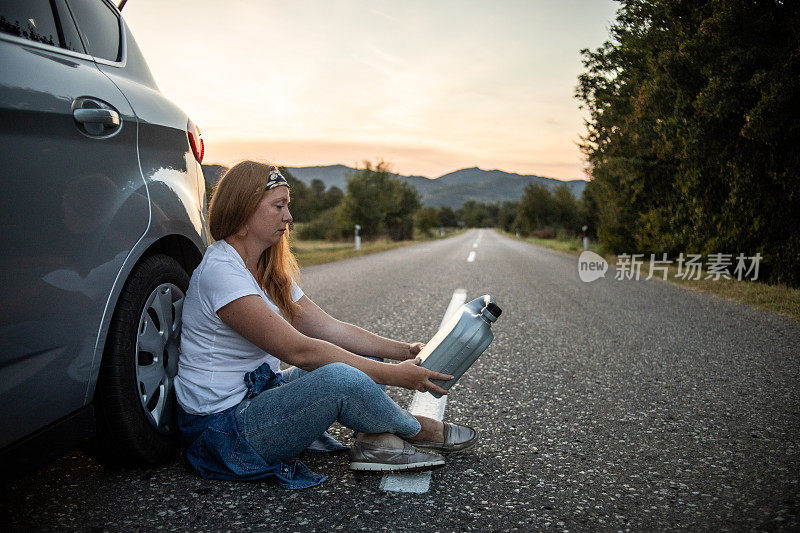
{"x":99,"y":27}
{"x":29,"y":19}
{"x":71,"y":39}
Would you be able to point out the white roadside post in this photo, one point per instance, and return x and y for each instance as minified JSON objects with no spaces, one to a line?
{"x":358,"y":237}
{"x":585,"y":238}
{"x":441,"y":231}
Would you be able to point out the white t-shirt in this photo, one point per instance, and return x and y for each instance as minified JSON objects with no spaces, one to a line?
{"x":214,"y":358}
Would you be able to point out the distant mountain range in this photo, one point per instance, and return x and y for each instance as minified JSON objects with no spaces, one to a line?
{"x":453,"y":189}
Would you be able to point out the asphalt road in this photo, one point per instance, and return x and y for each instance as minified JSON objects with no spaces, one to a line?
{"x":611,"y":405}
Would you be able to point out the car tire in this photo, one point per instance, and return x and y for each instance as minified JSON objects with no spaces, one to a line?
{"x":135,"y":401}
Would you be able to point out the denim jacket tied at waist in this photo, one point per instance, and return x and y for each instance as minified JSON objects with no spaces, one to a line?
{"x":216,"y":450}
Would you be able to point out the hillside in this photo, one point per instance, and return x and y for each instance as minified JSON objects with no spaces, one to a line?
{"x":453,"y":189}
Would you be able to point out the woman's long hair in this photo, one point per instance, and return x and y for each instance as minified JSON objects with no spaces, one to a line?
{"x":235,"y":199}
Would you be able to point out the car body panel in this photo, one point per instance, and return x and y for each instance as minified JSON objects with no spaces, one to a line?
{"x":78,"y":213}
{"x":174,"y":178}
{"x":73,"y":207}
{"x":173,"y":175}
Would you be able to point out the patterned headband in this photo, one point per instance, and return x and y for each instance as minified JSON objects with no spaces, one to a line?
{"x":276,"y":179}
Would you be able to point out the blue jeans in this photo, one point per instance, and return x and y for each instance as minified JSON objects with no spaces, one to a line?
{"x":283,"y":421}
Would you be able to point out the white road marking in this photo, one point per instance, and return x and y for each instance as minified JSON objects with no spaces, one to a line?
{"x":458,"y":299}
{"x":474,"y":244}
{"x":471,"y":257}
{"x":426,"y":405}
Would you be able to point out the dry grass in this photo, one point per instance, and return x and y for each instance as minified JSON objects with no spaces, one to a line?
{"x":570,"y":246}
{"x":775,"y":298}
{"x":317,"y":252}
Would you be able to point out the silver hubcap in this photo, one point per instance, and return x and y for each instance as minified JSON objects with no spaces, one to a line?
{"x":157,"y":344}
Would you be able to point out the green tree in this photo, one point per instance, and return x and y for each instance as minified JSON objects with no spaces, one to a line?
{"x":447,"y":217}
{"x":565,"y":209}
{"x":301,"y":207}
{"x":403,"y":202}
{"x":507,"y":215}
{"x":589,"y":210}
{"x":333,"y":197}
{"x":316,"y":195}
{"x":317,"y":187}
{"x":380,"y":202}
{"x":426,"y":219}
{"x":536,"y":208}
{"x":475,"y":214}
{"x":692,"y":134}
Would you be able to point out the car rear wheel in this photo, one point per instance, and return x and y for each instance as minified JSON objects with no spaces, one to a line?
{"x":135,"y":400}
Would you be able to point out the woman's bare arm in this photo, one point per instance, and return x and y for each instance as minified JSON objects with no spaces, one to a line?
{"x":316,"y":323}
{"x":253,"y":319}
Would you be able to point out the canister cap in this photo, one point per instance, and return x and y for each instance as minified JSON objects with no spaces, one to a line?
{"x":493,"y":309}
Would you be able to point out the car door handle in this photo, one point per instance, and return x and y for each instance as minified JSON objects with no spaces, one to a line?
{"x":106,"y":117}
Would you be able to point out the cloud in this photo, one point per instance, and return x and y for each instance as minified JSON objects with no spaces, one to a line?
{"x":384,"y":15}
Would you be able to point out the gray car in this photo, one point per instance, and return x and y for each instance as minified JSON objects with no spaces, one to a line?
{"x":103,"y":221}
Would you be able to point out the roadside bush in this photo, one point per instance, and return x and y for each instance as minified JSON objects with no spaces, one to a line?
{"x":546,"y":232}
{"x":327,"y":225}
{"x":426,"y":219}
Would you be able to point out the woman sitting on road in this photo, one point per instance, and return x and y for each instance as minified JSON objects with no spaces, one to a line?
{"x":240,"y":416}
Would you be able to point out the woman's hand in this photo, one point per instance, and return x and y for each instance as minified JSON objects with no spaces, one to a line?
{"x":411,"y":350}
{"x":410,"y":375}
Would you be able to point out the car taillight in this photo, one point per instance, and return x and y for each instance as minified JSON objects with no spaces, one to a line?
{"x":195,"y":140}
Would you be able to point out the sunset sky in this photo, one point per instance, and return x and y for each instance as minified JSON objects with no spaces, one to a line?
{"x":430,"y":87}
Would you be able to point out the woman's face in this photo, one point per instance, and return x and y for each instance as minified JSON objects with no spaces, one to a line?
{"x":268,"y":223}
